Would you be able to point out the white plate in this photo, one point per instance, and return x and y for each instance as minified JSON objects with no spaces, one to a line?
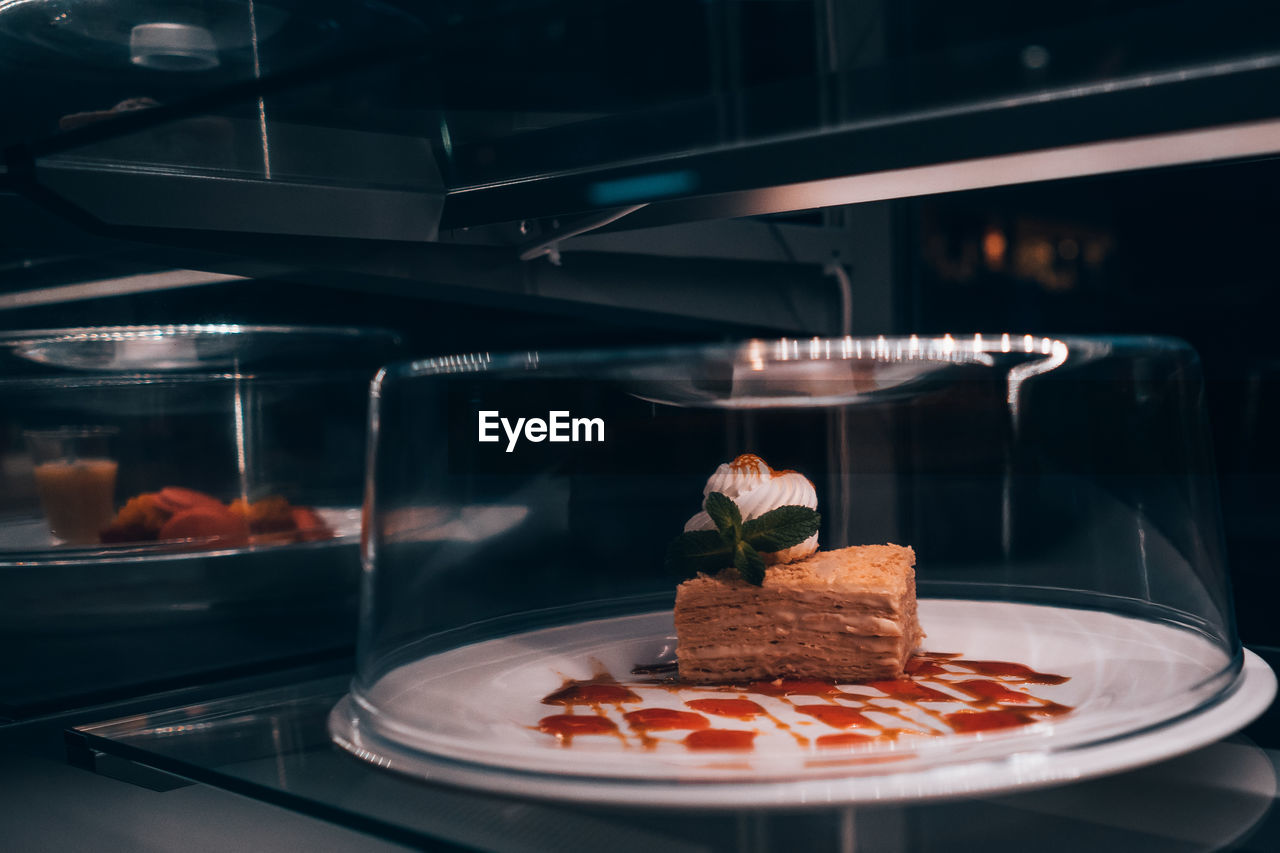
{"x":1141,"y":690}
{"x":27,"y":541}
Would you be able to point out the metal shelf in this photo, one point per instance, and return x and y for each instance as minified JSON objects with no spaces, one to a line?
{"x":542,"y":111}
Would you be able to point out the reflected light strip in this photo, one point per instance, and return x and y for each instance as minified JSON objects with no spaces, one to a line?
{"x":242,"y":455}
{"x":914,"y":348}
{"x":944,"y":347}
{"x":1249,"y":139}
{"x":908,"y":348}
{"x":789,"y":350}
{"x":142,"y":283}
{"x":471,"y":362}
{"x":1057,"y":355}
{"x":262,"y":105}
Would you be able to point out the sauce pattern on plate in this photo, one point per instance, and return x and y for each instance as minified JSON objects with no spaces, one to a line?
{"x":940,"y":694}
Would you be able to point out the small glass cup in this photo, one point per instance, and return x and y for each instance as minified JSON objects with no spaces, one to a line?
{"x":75,"y":472}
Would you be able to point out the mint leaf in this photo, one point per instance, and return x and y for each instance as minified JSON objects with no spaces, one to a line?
{"x":739,"y":544}
{"x":698,"y":551}
{"x":749,"y":563}
{"x":781,"y":528}
{"x":724,"y":513}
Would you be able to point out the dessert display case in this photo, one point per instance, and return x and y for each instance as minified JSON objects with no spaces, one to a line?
{"x":176,"y":486}
{"x":582,"y":644}
{"x":516,"y":626}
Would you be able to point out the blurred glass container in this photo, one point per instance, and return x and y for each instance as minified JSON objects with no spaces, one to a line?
{"x":176,"y":499}
{"x":1059,"y":495}
{"x":75,"y":473}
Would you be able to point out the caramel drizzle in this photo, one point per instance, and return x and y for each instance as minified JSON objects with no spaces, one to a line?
{"x":990,"y":695}
{"x":750,"y":462}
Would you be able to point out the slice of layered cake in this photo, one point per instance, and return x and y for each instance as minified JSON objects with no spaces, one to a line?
{"x":763,"y":605}
{"x":847,"y":615}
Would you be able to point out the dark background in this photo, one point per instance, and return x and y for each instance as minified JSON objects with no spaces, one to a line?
{"x":524,"y":86}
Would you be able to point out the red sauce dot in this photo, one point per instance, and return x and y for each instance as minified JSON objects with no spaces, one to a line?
{"x":979,"y":721}
{"x":590,"y":693}
{"x":994,"y":691}
{"x":910,"y":691}
{"x":661,"y":719}
{"x":1005,"y":669}
{"x":923,"y":666}
{"x":568,"y":725}
{"x":743,"y":709}
{"x":836,"y":716}
{"x":843,"y":739}
{"x":795,"y":687}
{"x":720,"y":739}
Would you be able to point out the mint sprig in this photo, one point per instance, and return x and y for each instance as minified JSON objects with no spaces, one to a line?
{"x":749,"y":563}
{"x":781,"y":528}
{"x":737,"y":543}
{"x":725,"y":515}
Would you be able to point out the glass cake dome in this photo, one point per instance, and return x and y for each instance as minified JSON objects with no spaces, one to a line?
{"x":109,"y":433}
{"x":524,"y":538}
{"x":177,"y":499}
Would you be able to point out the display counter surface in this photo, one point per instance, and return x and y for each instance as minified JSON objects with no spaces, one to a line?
{"x":272,"y":745}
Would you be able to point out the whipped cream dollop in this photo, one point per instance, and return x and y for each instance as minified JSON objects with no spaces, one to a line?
{"x":756,"y":488}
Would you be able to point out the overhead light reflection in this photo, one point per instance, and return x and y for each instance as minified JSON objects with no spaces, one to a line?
{"x":1020,"y":373}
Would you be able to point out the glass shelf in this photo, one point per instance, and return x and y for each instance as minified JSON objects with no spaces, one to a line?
{"x":272,"y":745}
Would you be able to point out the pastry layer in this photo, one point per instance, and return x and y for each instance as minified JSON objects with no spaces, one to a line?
{"x":848,"y":615}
